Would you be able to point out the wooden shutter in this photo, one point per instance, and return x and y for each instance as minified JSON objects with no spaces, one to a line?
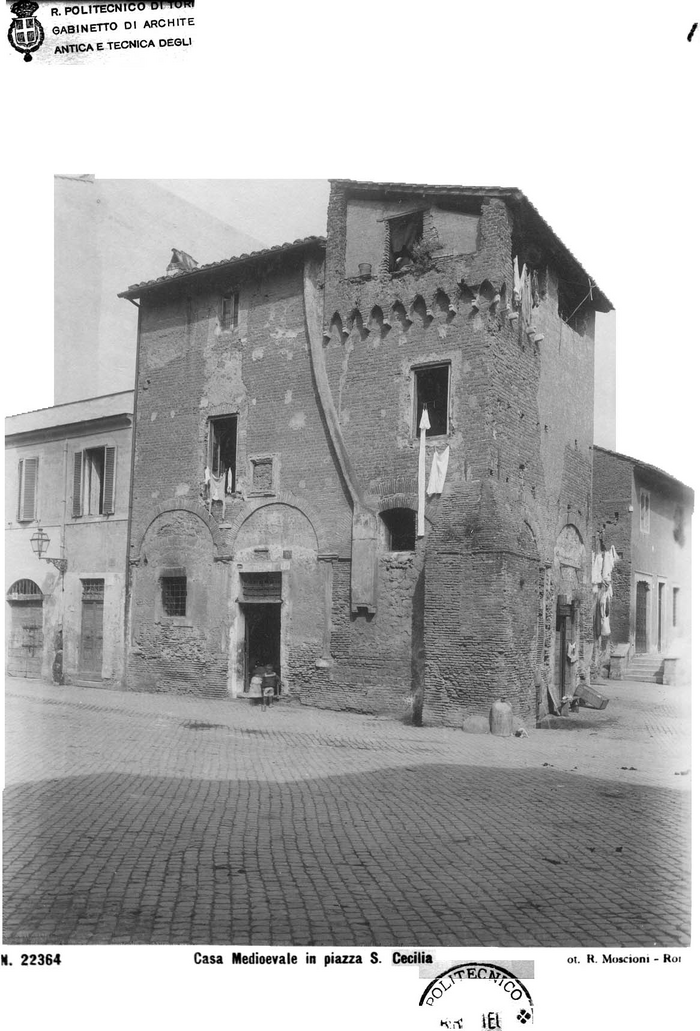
{"x":28,"y":475}
{"x":78,"y":483}
{"x":109,"y":480}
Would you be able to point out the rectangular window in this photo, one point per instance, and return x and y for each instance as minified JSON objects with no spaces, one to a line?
{"x":400,"y":526}
{"x":174,"y":595}
{"x":222,"y":452}
{"x":26,"y":502}
{"x":404,"y":233}
{"x":94,"y":477}
{"x":432,"y":394}
{"x":676,"y":600}
{"x":229,"y":311}
{"x":644,"y":511}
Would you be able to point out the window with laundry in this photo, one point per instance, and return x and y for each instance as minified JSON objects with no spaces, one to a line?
{"x":404,"y":233}
{"x":223,"y":434}
{"x":94,"y":481}
{"x":400,"y":525}
{"x":432,"y":394}
{"x":644,"y":511}
{"x":229,"y":311}
{"x":28,"y":479}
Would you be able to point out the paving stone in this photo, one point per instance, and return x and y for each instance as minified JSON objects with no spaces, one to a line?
{"x":124,"y":825}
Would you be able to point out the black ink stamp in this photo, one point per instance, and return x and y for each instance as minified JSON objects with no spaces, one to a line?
{"x":517,"y":1008}
{"x":26,"y":33}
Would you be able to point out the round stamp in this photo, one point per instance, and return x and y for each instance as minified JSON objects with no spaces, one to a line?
{"x":483,"y":996}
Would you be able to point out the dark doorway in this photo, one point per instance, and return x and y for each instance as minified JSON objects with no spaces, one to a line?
{"x":262,"y":637}
{"x":91,"y":633}
{"x":640,"y":630}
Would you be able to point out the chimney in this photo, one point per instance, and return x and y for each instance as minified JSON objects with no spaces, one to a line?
{"x":180,"y":262}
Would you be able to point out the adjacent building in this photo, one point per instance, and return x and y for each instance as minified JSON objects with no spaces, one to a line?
{"x":367,"y":461}
{"x":646,"y":515}
{"x":67,"y":479}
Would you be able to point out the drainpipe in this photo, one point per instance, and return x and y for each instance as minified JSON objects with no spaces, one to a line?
{"x":127,"y":568}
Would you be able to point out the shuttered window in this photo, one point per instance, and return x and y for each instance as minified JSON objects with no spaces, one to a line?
{"x":94,"y":481}
{"x":28,"y":477}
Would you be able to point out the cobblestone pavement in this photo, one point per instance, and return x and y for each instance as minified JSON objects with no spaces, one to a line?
{"x":133,"y":818}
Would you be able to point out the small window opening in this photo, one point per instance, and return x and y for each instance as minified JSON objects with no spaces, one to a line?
{"x":404,"y":234}
{"x":229,"y":311}
{"x":644,"y":511}
{"x":432,"y":392}
{"x":222,"y":451}
{"x":676,"y":600}
{"x":400,"y":524}
{"x":174,"y":595}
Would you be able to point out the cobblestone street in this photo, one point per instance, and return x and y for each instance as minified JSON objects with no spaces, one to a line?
{"x":134,"y":818}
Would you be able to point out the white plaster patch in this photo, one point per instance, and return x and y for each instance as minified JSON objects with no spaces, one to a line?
{"x":383,"y":413}
{"x":204,"y":403}
{"x":257,"y":354}
{"x":345,"y":418}
{"x":181,"y":489}
{"x":298,"y":421}
{"x":302,"y":484}
{"x":253,"y":400}
{"x":154,"y":416}
{"x":172,"y":413}
{"x":288,"y":397}
{"x":442,"y":332}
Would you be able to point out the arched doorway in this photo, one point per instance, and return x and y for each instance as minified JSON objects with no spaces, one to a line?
{"x":25,"y":646}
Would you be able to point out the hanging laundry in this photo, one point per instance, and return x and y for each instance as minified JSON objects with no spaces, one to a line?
{"x":217,"y":489}
{"x":229,"y":481}
{"x":604,"y":606}
{"x":438,"y":472}
{"x":534,"y":288}
{"x":423,"y":425}
{"x":526,"y":306}
{"x":597,"y":570}
{"x":516,"y":282}
{"x":207,"y":475}
{"x":608,"y":565}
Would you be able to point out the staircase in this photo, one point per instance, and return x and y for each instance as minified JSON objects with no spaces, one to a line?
{"x":649,"y":668}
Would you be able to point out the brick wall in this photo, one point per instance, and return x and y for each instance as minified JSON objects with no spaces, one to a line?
{"x":469,"y":617}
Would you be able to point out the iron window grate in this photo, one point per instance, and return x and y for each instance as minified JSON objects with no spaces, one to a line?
{"x":174,"y":594}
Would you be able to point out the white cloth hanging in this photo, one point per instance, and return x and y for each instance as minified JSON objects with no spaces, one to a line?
{"x":516,"y":281}
{"x":438,"y":472}
{"x":423,"y":425}
{"x":597,"y":570}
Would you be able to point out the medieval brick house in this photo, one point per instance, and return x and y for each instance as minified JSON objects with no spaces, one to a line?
{"x":288,"y":503}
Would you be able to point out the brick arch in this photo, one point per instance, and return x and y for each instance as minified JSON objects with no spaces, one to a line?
{"x":182,"y":505}
{"x":291,"y":501}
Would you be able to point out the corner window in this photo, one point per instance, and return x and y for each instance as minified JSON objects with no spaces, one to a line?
{"x":26,"y":502}
{"x":222,"y":454}
{"x":174,"y":595}
{"x":404,"y":233}
{"x":432,"y":393}
{"x":400,"y":526}
{"x":644,"y":511}
{"x":94,"y":477}
{"x":229,"y":311}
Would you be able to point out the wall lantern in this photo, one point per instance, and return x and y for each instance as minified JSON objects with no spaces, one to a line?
{"x":40,"y":541}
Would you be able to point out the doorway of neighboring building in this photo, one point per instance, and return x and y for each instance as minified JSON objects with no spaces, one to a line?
{"x":641,"y":644}
{"x":26,"y":644}
{"x":660,"y":615}
{"x":262,"y":636}
{"x":564,"y":634}
{"x":92,"y":629}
